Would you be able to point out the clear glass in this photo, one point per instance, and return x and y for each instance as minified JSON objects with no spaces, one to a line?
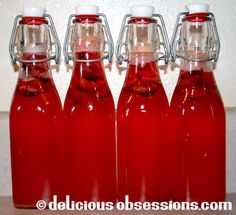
{"x":197,"y":39}
{"x":143,"y":37}
{"x":87,"y":37}
{"x":33,"y":38}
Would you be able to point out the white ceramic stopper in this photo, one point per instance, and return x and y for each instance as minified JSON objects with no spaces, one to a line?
{"x":34,"y":11}
{"x":142,"y":11}
{"x":87,"y":10}
{"x":198,"y":8}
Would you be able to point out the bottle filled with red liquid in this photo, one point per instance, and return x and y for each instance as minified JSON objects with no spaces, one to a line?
{"x":197,"y":116}
{"x":36,"y":112}
{"x":142,"y":110}
{"x":89,"y":110}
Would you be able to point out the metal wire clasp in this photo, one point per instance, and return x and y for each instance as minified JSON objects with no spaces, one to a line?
{"x":67,"y":46}
{"x":55,"y":43}
{"x":121,"y":43}
{"x":175,"y":42}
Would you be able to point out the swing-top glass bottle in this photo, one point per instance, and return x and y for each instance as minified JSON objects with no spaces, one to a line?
{"x":36,"y":119}
{"x":197,"y":116}
{"x":89,"y":109}
{"x":142,"y":108}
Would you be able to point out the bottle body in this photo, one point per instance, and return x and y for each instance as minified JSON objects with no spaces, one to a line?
{"x":90,"y":129}
{"x":197,"y":119}
{"x":141,"y":120}
{"x":36,"y":123}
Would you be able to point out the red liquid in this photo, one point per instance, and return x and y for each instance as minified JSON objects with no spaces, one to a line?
{"x":35,"y":132}
{"x":141,"y":117}
{"x":198,"y":139}
{"x":90,"y":125}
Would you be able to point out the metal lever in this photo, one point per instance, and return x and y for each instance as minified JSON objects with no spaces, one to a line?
{"x":175,"y":42}
{"x":110,"y":43}
{"x":120,"y":42}
{"x":165,"y":44}
{"x":57,"y":45}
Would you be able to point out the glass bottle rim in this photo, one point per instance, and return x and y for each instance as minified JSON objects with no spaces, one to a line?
{"x":31,"y":20}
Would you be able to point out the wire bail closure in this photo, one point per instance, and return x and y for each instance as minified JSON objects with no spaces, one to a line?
{"x":56,"y":44}
{"x":176,"y":42}
{"x":120,"y":42}
{"x":67,"y":46}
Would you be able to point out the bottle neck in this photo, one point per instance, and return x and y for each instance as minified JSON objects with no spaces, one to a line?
{"x":143,"y":68}
{"x":87,"y":36}
{"x":142,"y":40}
{"x":80,"y":69}
{"x":33,"y":36}
{"x":35,"y":70}
{"x":197,"y":37}
{"x":34,"y":78}
{"x":88,"y":71}
{"x":87,"y":42}
{"x":190,"y":66}
{"x":33,"y":43}
{"x":142,"y":58}
{"x":89,"y":77}
{"x":143,"y":43}
{"x":142,"y":75}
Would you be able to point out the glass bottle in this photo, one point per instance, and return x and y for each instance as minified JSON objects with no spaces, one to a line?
{"x":89,"y":109}
{"x":197,"y":118}
{"x":36,"y":112}
{"x":142,"y":109}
